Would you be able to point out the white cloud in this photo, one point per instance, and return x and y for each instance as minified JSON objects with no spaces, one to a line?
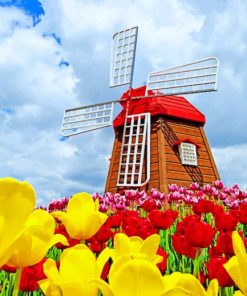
{"x":232,"y":162}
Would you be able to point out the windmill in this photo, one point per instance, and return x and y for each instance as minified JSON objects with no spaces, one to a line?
{"x":159,"y":136}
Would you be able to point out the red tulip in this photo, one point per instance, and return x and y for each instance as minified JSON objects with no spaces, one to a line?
{"x":103,"y":234}
{"x":149,"y":205}
{"x":243,"y":214}
{"x":137,"y":226}
{"x":114,"y":221}
{"x":203,"y":206}
{"x":224,"y":244}
{"x":217,"y":271}
{"x":162,"y":220}
{"x":96,"y":246}
{"x":226,"y":221}
{"x":181,"y":246}
{"x":31,"y":275}
{"x":7,"y":268}
{"x":181,"y":226}
{"x":214,"y":251}
{"x":217,"y":209}
{"x":162,"y":265}
{"x":199,"y":234}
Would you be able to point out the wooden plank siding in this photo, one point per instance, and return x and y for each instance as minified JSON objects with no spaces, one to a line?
{"x":165,"y":164}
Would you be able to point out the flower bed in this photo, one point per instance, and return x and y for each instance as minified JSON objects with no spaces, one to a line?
{"x":187,"y":241}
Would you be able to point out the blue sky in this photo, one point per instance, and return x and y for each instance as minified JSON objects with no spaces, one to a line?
{"x":55,"y":55}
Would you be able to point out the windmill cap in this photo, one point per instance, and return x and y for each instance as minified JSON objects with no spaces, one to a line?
{"x":169,"y":106}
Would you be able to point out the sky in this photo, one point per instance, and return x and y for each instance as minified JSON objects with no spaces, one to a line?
{"x":55,"y":55}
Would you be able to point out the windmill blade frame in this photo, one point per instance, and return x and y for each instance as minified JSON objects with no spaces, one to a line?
{"x":195,"y":77}
{"x":123,"y":57}
{"x":87,"y":118}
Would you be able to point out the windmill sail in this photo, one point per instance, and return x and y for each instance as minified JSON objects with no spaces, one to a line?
{"x":135,"y":151}
{"x":123,"y":57}
{"x":199,"y":76}
{"x":87,"y":118}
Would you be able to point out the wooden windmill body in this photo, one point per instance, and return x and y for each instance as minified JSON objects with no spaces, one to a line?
{"x":159,"y":136}
{"x":173,"y":120}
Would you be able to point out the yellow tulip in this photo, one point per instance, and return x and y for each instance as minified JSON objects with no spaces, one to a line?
{"x":17,"y":202}
{"x":78,"y":267}
{"x":140,"y":277}
{"x":82,"y":219}
{"x":237,"y":265}
{"x":180,"y":284}
{"x":38,"y":237}
{"x":135,"y":247}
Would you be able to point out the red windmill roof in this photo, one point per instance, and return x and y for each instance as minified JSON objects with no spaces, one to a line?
{"x":172,"y":106}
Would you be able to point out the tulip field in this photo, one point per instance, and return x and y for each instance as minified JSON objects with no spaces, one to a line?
{"x":191,"y":241}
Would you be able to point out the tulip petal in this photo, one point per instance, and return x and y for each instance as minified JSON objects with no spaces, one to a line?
{"x":137,"y":277}
{"x":240,"y":252}
{"x":51,"y":271}
{"x":38,"y":237}
{"x":78,"y":264}
{"x":60,"y":215}
{"x":122,"y":259}
{"x":103,"y":257}
{"x":184,"y":284}
{"x":41,"y":217}
{"x":104,"y":287}
{"x":177,"y":292}
{"x":237,"y":265}
{"x":238,"y":293}
{"x":57,"y":238}
{"x":151,"y":245}
{"x":232,"y":267}
{"x":80,"y":205}
{"x":170,"y":281}
{"x":122,"y":244}
{"x":90,"y":226}
{"x":65,"y":289}
{"x":213,"y":288}
{"x":44,"y":285}
{"x":17,"y":202}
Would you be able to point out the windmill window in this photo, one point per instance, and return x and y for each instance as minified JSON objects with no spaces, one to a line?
{"x":188,"y":153}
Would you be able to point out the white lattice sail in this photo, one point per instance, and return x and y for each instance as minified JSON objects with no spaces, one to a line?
{"x":87,"y":118}
{"x":123,"y":57}
{"x":134,"y":163}
{"x":199,"y":76}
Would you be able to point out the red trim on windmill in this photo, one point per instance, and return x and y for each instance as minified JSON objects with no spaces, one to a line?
{"x":187,"y":140}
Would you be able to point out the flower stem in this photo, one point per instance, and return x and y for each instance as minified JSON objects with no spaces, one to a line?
{"x":196,"y":263}
{"x":17,"y":281}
